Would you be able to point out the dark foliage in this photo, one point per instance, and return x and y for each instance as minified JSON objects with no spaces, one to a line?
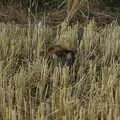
{"x":112,"y":3}
{"x":33,"y":4}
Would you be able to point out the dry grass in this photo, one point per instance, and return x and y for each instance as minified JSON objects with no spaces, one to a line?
{"x":83,"y":7}
{"x":32,"y":90}
{"x":83,"y":10}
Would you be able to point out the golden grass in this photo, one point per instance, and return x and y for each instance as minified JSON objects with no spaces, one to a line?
{"x":32,"y":90}
{"x":84,"y":10}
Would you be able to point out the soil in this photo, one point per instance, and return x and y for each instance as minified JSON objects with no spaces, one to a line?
{"x":55,"y":17}
{"x":12,"y":14}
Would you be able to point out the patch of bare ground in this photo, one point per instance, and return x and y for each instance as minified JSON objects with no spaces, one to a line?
{"x":53,"y":18}
{"x":11,"y":13}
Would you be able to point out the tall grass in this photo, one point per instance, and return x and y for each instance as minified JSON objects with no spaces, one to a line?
{"x":30,"y":89}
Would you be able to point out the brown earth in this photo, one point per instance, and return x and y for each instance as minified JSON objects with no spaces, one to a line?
{"x":53,"y":18}
{"x":12,"y":14}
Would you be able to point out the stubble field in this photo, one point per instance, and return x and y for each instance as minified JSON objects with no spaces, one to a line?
{"x":30,"y":89}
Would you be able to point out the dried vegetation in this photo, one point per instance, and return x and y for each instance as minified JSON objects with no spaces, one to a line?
{"x":31,"y":89}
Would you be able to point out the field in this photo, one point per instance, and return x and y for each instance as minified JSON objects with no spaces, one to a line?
{"x":30,"y":89}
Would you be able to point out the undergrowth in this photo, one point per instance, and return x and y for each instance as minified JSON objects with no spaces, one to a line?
{"x":30,"y":89}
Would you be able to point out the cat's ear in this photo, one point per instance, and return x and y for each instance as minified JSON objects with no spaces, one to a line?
{"x":54,"y":56}
{"x":69,"y":56}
